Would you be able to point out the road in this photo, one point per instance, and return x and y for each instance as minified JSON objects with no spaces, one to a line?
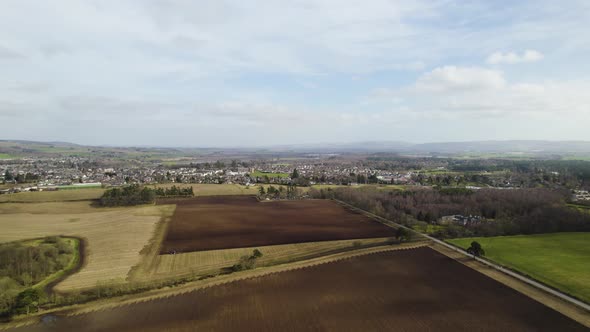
{"x":497,"y":267}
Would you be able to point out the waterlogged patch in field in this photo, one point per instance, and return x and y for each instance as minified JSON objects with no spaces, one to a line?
{"x":222,"y":222}
{"x":406,"y":290}
{"x":560,"y":260}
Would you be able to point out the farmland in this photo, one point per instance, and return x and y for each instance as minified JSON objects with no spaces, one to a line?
{"x":114,"y":237}
{"x":199,"y":263}
{"x":559,"y":260}
{"x":406,"y":290}
{"x":208,"y":223}
{"x":54,"y":196}
{"x":5,"y":156}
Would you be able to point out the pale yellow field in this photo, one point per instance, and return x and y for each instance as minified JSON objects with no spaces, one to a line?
{"x":114,"y":237}
{"x":54,"y":196}
{"x":211,"y":261}
{"x":52,"y":208}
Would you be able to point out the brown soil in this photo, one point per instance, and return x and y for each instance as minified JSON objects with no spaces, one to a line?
{"x":222,"y":222}
{"x":570,"y":310}
{"x":413,"y":290}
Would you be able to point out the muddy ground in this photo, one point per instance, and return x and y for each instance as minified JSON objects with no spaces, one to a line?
{"x":406,"y":290}
{"x":222,"y":222}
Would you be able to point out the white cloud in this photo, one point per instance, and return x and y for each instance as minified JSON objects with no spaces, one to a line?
{"x":513,"y":58}
{"x":212,"y":64}
{"x":479,"y":92}
{"x":460,"y":78}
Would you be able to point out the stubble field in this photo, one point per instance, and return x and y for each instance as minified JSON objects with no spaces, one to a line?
{"x":207,"y":223}
{"x":409,"y":290}
{"x":114,"y":237}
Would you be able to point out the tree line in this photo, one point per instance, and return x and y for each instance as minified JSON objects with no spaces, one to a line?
{"x":20,"y":177}
{"x":503,"y":212}
{"x":280,"y":192}
{"x":136,"y":195}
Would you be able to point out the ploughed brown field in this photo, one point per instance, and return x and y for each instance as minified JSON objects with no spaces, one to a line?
{"x":405,"y":290}
{"x":222,"y":222}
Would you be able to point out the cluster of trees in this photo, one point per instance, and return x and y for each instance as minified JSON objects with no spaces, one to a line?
{"x":247,"y":262}
{"x":136,"y":195}
{"x":21,"y":177}
{"x":532,"y":173}
{"x":504,"y":212}
{"x":280,"y":192}
{"x":127,"y":196}
{"x":476,"y":250}
{"x":494,"y":172}
{"x":24,"y":265}
{"x":174,"y":191}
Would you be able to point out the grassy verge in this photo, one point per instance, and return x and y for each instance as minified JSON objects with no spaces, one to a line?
{"x":428,"y":228}
{"x":560,"y":260}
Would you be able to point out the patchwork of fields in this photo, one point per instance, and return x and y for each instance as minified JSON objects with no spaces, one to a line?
{"x":417,"y":289}
{"x":207,"y":223}
{"x":413,"y":290}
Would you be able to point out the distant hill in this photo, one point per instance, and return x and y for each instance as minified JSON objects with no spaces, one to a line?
{"x":524,"y":148}
{"x":506,"y":147}
{"x":498,"y":147}
{"x":369,"y":146}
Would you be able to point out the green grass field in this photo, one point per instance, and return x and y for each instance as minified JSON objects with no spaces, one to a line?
{"x":5,"y":156}
{"x":428,"y":229}
{"x":579,"y":207}
{"x":560,"y":260}
{"x":76,"y":187}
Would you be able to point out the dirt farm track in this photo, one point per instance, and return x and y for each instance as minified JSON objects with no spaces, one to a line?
{"x":207,"y":223}
{"x":408,"y":290}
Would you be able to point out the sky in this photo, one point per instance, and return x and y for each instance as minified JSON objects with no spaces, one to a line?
{"x":261,"y":73}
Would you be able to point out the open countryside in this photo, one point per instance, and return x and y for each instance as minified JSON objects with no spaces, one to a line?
{"x":309,"y":165}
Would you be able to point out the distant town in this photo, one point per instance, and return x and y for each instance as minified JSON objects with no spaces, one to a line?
{"x":66,"y":172}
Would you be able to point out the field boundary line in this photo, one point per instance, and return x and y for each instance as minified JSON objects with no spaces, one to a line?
{"x":486,"y":262}
{"x":574,"y":312}
{"x":198,"y":285}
